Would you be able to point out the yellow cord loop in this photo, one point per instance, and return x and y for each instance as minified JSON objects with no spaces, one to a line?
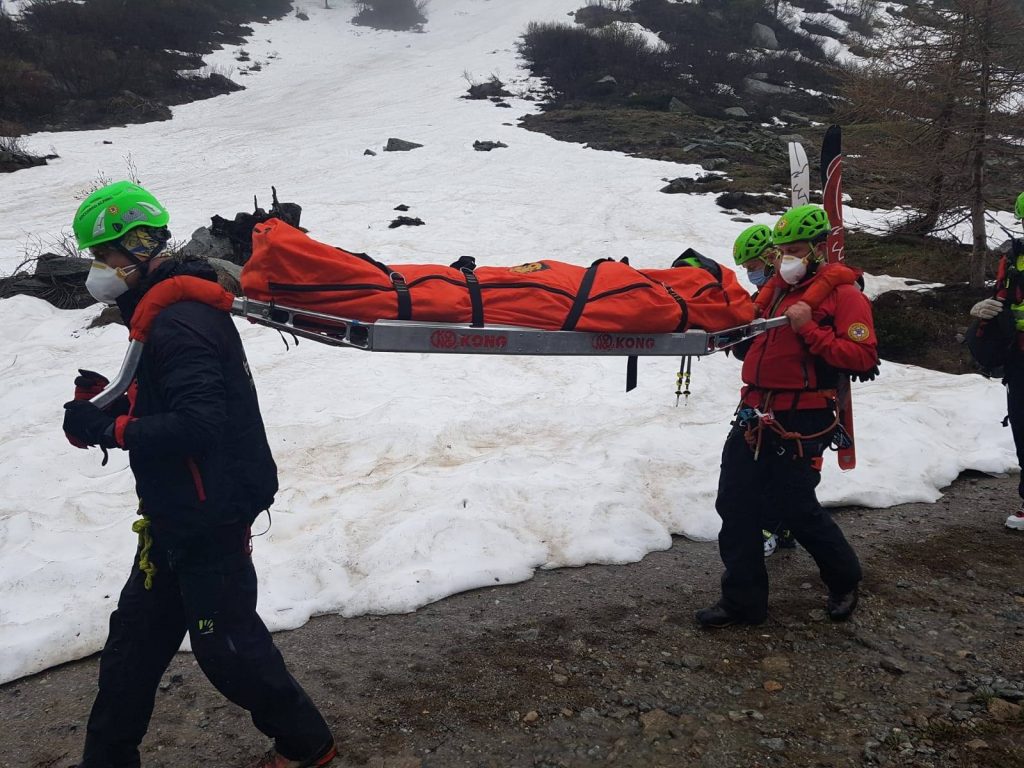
{"x":141,"y":527}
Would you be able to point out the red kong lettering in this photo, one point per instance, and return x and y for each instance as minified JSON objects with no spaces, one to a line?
{"x":444,"y":339}
{"x":606,"y":342}
{"x":483,"y":341}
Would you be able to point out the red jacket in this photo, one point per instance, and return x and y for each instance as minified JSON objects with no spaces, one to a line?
{"x":802,"y":366}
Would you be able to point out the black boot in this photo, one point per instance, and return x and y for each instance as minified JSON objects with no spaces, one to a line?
{"x":840,"y":607}
{"x":718,"y":617}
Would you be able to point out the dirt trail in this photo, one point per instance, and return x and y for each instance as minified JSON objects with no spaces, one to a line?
{"x":603,"y":665}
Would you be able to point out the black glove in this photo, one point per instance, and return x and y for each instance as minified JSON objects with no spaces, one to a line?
{"x":87,"y":423}
{"x":868,"y":375}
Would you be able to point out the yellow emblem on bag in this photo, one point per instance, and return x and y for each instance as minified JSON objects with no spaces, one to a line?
{"x":525,"y":269}
{"x":858,"y":332}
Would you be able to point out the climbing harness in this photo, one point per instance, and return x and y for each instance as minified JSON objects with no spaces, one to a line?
{"x":755,"y":420}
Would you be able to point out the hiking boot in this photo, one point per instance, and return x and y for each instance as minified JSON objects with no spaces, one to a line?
{"x":717,"y":617}
{"x":787,"y":540}
{"x":841,"y":607}
{"x":771,"y":543}
{"x":1016,"y":520}
{"x":274,"y":760}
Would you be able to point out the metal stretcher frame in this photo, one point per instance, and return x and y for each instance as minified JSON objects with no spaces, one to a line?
{"x":453,"y":338}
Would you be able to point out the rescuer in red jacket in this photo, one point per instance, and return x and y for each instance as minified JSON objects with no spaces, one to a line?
{"x":771,"y":462}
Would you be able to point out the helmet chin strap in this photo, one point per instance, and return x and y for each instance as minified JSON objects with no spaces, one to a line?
{"x":142,"y":265}
{"x":817,"y":257}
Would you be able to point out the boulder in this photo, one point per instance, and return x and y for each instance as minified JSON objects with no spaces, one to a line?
{"x":685,"y":184}
{"x":678,"y":107}
{"x":487,"y":146}
{"x":59,"y":280}
{"x":229,"y":275}
{"x":204,"y":244}
{"x":401,"y":145}
{"x":739,"y":112}
{"x":761,"y":88}
{"x":13,"y":161}
{"x":763,"y":37}
{"x":488,"y":89}
{"x":747,"y":203}
{"x":714,"y":163}
{"x":406,"y":221}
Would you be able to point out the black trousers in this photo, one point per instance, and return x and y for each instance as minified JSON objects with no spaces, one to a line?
{"x":1015,"y":410}
{"x":779,"y":483}
{"x":207,"y":588}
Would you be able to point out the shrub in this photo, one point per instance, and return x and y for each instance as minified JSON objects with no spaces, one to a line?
{"x":93,"y":63}
{"x":574,"y":58}
{"x":391,"y":14}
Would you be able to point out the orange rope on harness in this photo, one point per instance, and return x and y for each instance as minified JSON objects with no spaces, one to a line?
{"x":755,"y":431}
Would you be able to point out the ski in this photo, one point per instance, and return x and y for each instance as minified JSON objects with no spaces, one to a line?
{"x":832,"y":189}
{"x":799,"y":174}
{"x":832,"y":198}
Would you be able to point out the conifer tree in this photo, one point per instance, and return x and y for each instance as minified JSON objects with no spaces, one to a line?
{"x":943,"y":90}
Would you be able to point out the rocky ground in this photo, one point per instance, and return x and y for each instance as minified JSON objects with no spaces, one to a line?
{"x":603,"y":665}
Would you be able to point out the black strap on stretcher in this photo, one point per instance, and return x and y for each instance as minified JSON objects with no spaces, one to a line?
{"x":402,"y":294}
{"x":582,"y":297}
{"x":476,"y":299}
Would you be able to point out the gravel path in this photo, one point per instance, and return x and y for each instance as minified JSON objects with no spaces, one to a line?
{"x":603,"y":665}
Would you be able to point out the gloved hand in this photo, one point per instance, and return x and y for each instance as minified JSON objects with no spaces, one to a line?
{"x":868,"y":375}
{"x":88,"y":424}
{"x":986,"y":309}
{"x":88,"y":384}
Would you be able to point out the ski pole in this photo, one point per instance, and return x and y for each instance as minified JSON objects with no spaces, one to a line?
{"x":683,"y":376}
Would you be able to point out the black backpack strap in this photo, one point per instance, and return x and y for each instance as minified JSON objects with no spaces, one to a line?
{"x":582,"y":296}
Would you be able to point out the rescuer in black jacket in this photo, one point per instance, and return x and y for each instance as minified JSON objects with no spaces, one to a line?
{"x":195,"y":437}
{"x":198,"y":449}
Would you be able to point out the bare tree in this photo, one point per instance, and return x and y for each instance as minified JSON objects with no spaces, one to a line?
{"x":941,"y":88}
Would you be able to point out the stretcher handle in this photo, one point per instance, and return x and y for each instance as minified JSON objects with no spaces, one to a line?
{"x":124,"y":377}
{"x":730,"y":337}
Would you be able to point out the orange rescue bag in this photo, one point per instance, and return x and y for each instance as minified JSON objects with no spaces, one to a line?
{"x":290,"y":268}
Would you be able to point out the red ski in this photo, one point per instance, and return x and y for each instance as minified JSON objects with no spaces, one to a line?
{"x":832,"y":200}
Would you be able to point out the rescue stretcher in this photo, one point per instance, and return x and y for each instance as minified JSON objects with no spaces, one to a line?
{"x":305,"y":288}
{"x":452,"y":338}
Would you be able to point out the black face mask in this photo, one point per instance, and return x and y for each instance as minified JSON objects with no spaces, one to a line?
{"x":128,"y":301}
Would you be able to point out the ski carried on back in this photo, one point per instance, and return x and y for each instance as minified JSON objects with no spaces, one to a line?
{"x":832,"y":201}
{"x":799,"y":174}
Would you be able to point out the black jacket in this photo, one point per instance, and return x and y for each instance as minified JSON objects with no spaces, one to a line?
{"x":196,"y":444}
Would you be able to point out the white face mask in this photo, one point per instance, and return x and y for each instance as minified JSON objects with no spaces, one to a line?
{"x":792,"y":269}
{"x":106,"y":283}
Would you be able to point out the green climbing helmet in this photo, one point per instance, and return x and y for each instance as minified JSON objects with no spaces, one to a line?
{"x":751,"y":244}
{"x":110,"y":211}
{"x":805,"y":222}
{"x":1019,"y":207}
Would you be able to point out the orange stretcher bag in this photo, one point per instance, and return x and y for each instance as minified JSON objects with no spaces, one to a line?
{"x":290,"y":268}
